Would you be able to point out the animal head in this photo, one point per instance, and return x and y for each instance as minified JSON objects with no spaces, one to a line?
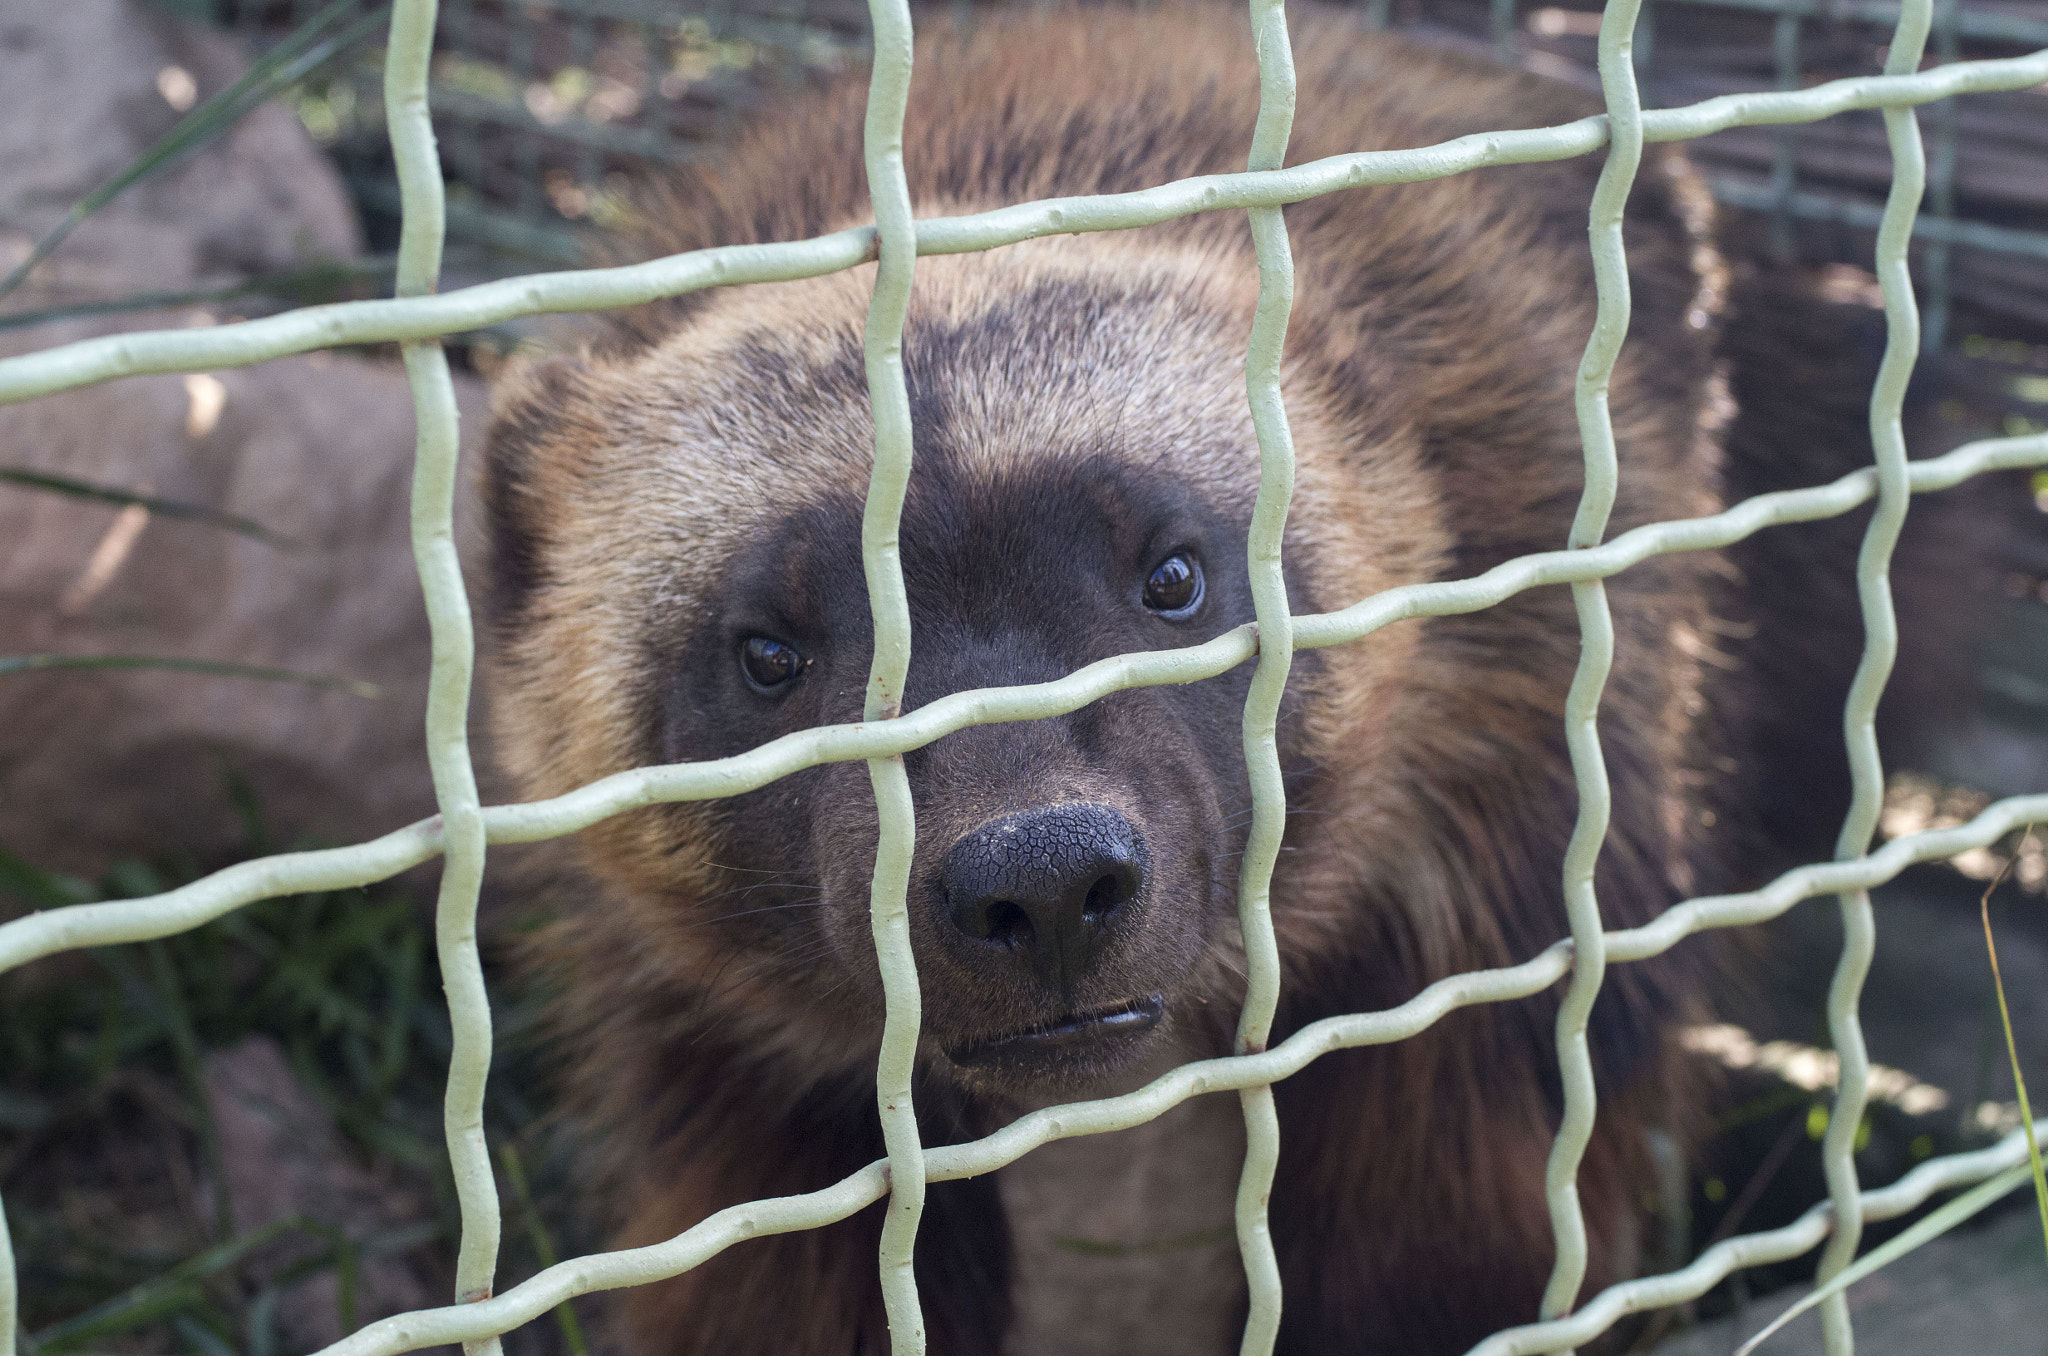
{"x":677,"y":518}
{"x":680,"y":577}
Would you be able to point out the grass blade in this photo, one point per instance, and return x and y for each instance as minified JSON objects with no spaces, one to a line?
{"x":543,"y":1247}
{"x":2012,"y":1050}
{"x":1979,"y":1198}
{"x":159,"y":1295}
{"x":43,"y":889}
{"x":301,"y":52}
{"x":169,"y":508}
{"x":199,"y":1338}
{"x":1966,"y":1205}
{"x":25,"y":663}
{"x":309,"y":286}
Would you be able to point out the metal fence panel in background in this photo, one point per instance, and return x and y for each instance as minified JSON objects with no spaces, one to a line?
{"x":418,"y":319}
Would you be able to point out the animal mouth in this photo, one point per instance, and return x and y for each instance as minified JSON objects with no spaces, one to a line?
{"x":1121,"y":1022}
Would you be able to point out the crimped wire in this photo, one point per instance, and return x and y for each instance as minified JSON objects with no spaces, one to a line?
{"x":1596,"y":657}
{"x":786,"y":1214}
{"x":10,"y":1298}
{"x":1269,"y":683}
{"x":366,"y":322}
{"x":1760,"y":1249}
{"x":72,"y":926}
{"x":1880,"y":650}
{"x":881,"y":558}
{"x":463,"y":827}
{"x":422,"y":211}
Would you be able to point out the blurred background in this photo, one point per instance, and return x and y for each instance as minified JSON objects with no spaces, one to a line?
{"x":211,"y":645}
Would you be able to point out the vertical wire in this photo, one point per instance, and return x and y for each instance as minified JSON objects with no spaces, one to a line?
{"x":1505,"y":49}
{"x":889,"y":188}
{"x":1941,"y":185}
{"x":1645,"y":51}
{"x":654,"y":105}
{"x":10,"y":1303}
{"x":1596,"y":655}
{"x":1784,"y":156}
{"x":1880,"y":649}
{"x":422,"y":210}
{"x":465,"y":150}
{"x":1269,"y":681}
{"x":583,"y":52}
{"x":519,"y":55}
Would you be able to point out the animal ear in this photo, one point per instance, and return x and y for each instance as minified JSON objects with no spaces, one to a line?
{"x":535,"y":420}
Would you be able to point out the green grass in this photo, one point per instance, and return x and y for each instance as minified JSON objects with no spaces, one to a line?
{"x":109,"y":1160}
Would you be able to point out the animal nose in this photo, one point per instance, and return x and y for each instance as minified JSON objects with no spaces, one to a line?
{"x":1045,"y":884}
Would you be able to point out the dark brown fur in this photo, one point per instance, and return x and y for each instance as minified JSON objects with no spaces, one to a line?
{"x":1430,"y":378}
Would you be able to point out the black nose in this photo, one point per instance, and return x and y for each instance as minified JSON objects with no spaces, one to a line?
{"x":1045,"y":884}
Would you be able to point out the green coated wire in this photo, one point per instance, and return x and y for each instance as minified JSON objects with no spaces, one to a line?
{"x":1923,"y":1231}
{"x":1596,"y":656}
{"x":881,"y":518}
{"x":10,"y":1299}
{"x":86,"y":361}
{"x":1269,"y":682}
{"x":1785,"y":35}
{"x":468,"y":1323}
{"x":104,"y":924}
{"x":1777,"y":1245}
{"x":464,"y":827}
{"x":638,"y":1266}
{"x":421,"y":235}
{"x":75,"y":926}
{"x":1880,"y":650}
{"x":1941,"y":185}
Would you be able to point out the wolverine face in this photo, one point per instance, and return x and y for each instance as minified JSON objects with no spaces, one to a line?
{"x":1070,"y":873}
{"x":681,"y":533}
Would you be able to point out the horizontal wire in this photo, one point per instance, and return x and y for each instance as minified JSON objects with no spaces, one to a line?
{"x":1758,"y":1249}
{"x":370,"y":322}
{"x":132,"y":920}
{"x":639,"y":1266}
{"x":889,"y":667}
{"x":427,"y":317}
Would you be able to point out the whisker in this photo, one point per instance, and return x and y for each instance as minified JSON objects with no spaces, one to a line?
{"x":749,"y":870}
{"x":757,"y":885}
{"x":772,"y":908}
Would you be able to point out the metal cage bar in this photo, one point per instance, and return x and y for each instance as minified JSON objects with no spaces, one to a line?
{"x":1596,"y":654}
{"x":1275,"y":627}
{"x":896,"y":243}
{"x":422,"y":233}
{"x":1880,"y":650}
{"x":460,"y":833}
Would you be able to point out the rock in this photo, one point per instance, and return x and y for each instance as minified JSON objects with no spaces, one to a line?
{"x":96,"y":765}
{"x":1928,"y":1007}
{"x":1981,"y":1291}
{"x":84,"y":86}
{"x":282,"y":1159}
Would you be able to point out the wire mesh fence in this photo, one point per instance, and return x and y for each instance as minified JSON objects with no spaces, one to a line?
{"x":547,"y":110}
{"x":418,"y":318}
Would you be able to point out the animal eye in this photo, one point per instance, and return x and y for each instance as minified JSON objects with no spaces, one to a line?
{"x":769,"y":664}
{"x":1175,"y":587}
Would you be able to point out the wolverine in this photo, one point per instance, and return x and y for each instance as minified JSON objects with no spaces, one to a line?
{"x":674,"y":516}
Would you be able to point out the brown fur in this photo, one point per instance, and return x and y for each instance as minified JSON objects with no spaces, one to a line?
{"x":1429,"y":382}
